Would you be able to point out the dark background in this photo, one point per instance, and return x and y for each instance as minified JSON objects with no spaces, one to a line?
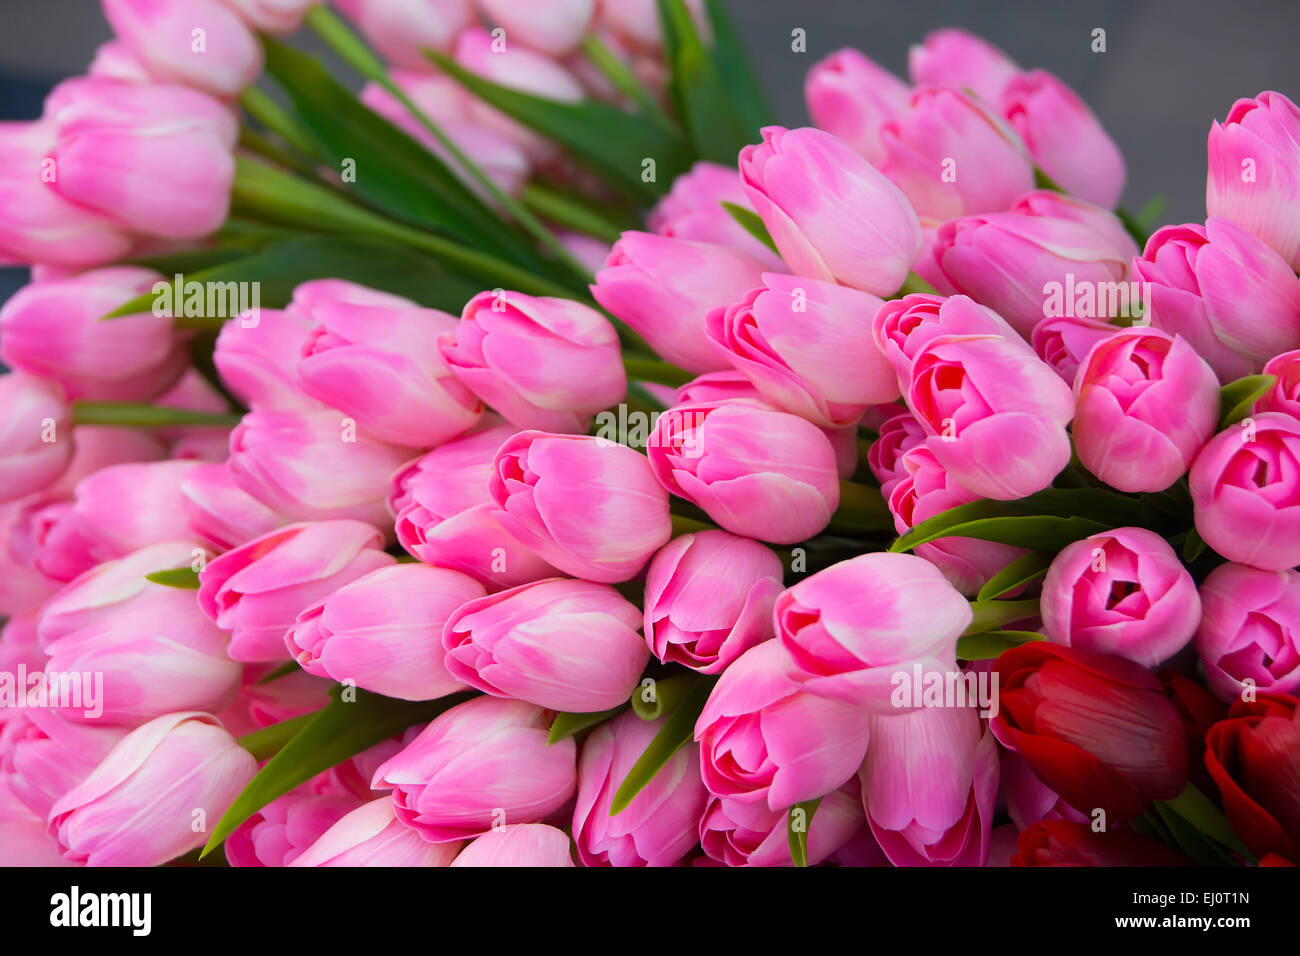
{"x":1171,"y":66}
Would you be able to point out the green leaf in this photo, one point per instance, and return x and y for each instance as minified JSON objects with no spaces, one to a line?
{"x":989,"y":645}
{"x":752,"y":222}
{"x":566,"y":725}
{"x":394,"y":172}
{"x":991,"y":615}
{"x":1237,"y":399}
{"x":802,"y":814}
{"x":1188,"y":839}
{"x":140,"y":415}
{"x":1200,"y":811}
{"x":605,"y":139}
{"x":737,"y":71}
{"x":1019,"y":572}
{"x":1193,"y":546}
{"x":266,"y":743}
{"x":677,"y":729}
{"x":284,"y":670}
{"x":339,"y":731}
{"x":184,"y":578}
{"x":666,"y":695}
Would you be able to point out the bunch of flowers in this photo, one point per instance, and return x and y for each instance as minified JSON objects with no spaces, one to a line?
{"x":543,"y":458}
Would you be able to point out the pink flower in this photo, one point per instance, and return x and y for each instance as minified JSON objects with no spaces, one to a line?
{"x":382,"y":631}
{"x":897,"y":435}
{"x":474,"y":542}
{"x":400,"y":29}
{"x":1122,"y":592}
{"x":752,"y":834}
{"x":995,"y":417}
{"x":807,"y":347}
{"x":201,"y":43}
{"x":166,"y":772}
{"x":219,"y":511}
{"x":636,"y":22}
{"x":851,"y":96}
{"x":256,"y":590}
{"x":518,"y":844}
{"x":540,"y":362}
{"x":1284,"y":395}
{"x":43,"y":755}
{"x":756,"y":472}
{"x":446,"y":481}
{"x":116,"y":147}
{"x":590,"y":507}
{"x":1050,"y":204}
{"x":708,"y":599}
{"x":35,"y":434}
{"x":555,"y":28}
{"x":258,"y":361}
{"x":559,"y":643}
{"x":313,"y":465}
{"x":1064,"y":137}
{"x":754,"y":732}
{"x":956,"y":58}
{"x":951,"y":155}
{"x":1245,"y":486}
{"x":660,"y":825}
{"x":693,"y":210}
{"x":1254,"y":171}
{"x":483,"y":763}
{"x":1146,"y":405}
{"x":373,"y":835}
{"x":1211,"y":283}
{"x":851,"y":628}
{"x":279,"y":833}
{"x":918,"y":815}
{"x":1249,"y":635}
{"x":1064,"y":342}
{"x":272,"y":16}
{"x":663,"y":288}
{"x":831,"y":214}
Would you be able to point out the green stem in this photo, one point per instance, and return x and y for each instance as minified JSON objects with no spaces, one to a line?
{"x":564,"y":211}
{"x":275,"y":118}
{"x":138,"y":415}
{"x":625,"y":81}
{"x":266,"y":743}
{"x":991,"y":615}
{"x":862,"y":510}
{"x":340,"y":38}
{"x":654,"y":370}
{"x":684,"y":525}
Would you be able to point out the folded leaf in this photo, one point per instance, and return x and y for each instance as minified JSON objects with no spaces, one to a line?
{"x":1019,"y":572}
{"x":1237,"y":399}
{"x":677,"y":729}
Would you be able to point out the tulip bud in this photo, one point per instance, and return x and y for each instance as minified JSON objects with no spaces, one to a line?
{"x":401,"y":30}
{"x":1068,"y":843}
{"x":174,"y":771}
{"x":272,"y":16}
{"x":518,"y":844}
{"x":373,"y":835}
{"x":258,"y":362}
{"x":832,"y":215}
{"x":1249,"y":635}
{"x":752,"y":834}
{"x":554,"y":29}
{"x":1284,"y":395}
{"x":1122,"y":592}
{"x":35,"y":434}
{"x":1064,"y":342}
{"x":219,"y":511}
{"x":851,"y":96}
{"x":202,"y":43}
{"x":277,"y":834}
{"x":956,"y":58}
{"x":43,"y":755}
{"x":693,"y":210}
{"x":897,"y":435}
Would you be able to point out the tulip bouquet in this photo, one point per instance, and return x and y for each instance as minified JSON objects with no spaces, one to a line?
{"x":540,"y":457}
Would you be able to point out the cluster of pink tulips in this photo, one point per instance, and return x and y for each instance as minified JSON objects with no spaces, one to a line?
{"x":947,"y":518}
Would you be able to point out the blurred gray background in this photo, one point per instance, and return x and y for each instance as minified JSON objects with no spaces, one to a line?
{"x":1170,"y":68}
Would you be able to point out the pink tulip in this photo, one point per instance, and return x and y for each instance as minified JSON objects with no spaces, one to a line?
{"x":1210,"y":284}
{"x":752,"y":834}
{"x":116,"y":147}
{"x":663,"y":288}
{"x":474,"y":542}
{"x":1284,"y":395}
{"x":272,"y":16}
{"x":156,"y":651}
{"x":897,"y":435}
{"x":851,"y":96}
{"x":24,"y":587}
{"x":1254,"y":174}
{"x":1009,"y":261}
{"x":258,"y":361}
{"x":754,"y":732}
{"x":561,"y":495}
{"x":831,"y":214}
{"x":995,"y":416}
{"x":1122,"y":592}
{"x":39,"y":225}
{"x":708,"y":599}
{"x":23,"y":837}
{"x":176,"y":771}
{"x":115,"y":61}
{"x":277,"y":834}
{"x":559,"y":643}
{"x":259,"y":705}
{"x":1064,"y":137}
{"x":851,"y":628}
{"x":1146,"y":404}
{"x":1245,"y":486}
{"x":401,"y":30}
{"x":756,"y":472}
{"x":554,"y":29}
{"x":202,"y":43}
{"x":956,"y":58}
{"x":382,"y":631}
{"x":35,"y":434}
{"x":313,"y":465}
{"x":1249,"y":634}
{"x":693,"y":210}
{"x":951,"y":155}
{"x":1050,"y":204}
{"x":373,"y":835}
{"x":255,"y":591}
{"x":925,"y":489}
{"x":481,"y":764}
{"x":375,"y":357}
{"x":661,"y":824}
{"x":53,"y":329}
{"x":219,"y":511}
{"x":921,"y":817}
{"x":518,"y":844}
{"x":1064,"y":342}
{"x":540,"y":362}
{"x":446,"y":481}
{"x":636,"y":22}
{"x":807,"y":347}
{"x":43,"y":755}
